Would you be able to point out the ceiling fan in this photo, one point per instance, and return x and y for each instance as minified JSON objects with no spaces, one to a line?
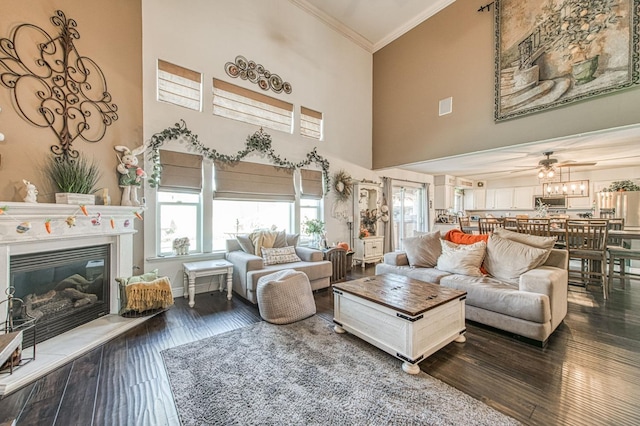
{"x":547,"y":166}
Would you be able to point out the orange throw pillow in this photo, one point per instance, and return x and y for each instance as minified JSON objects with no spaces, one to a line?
{"x":459,"y":237}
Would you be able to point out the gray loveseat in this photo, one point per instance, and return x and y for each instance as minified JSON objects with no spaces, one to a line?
{"x":532,"y":309}
{"x":248,"y":268}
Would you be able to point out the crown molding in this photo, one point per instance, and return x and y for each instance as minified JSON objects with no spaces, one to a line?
{"x":333,"y":23}
{"x":412,"y":23}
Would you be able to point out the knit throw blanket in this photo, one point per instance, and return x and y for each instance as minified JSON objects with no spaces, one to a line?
{"x":149,"y":295}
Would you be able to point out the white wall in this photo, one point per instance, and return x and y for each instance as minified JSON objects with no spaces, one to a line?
{"x":328,"y":73}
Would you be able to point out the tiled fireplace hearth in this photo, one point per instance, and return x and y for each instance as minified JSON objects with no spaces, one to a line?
{"x":34,"y":229}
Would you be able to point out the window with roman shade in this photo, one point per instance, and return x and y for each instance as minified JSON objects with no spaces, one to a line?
{"x":179,"y":86}
{"x":310,"y":123}
{"x":311,"y":184}
{"x":253,"y":181}
{"x":245,"y":105}
{"x":181,"y":172}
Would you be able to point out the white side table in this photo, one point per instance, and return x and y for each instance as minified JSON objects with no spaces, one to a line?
{"x":206,"y":268}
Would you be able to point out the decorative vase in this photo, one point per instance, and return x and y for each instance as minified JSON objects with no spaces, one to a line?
{"x":583,"y":71}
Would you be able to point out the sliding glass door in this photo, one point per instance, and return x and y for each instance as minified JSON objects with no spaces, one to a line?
{"x":409,"y":211}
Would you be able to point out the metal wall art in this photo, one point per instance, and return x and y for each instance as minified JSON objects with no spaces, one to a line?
{"x":54,"y":86}
{"x":255,"y":73}
{"x":551,"y":53}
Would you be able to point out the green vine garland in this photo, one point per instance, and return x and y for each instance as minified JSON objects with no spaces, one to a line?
{"x":259,"y":141}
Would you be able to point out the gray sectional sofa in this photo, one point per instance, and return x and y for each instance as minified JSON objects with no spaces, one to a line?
{"x":533,"y":308}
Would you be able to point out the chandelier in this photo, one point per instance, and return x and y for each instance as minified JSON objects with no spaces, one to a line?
{"x":546,"y":172}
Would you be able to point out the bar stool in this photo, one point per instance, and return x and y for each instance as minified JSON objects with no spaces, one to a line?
{"x":587,"y":243}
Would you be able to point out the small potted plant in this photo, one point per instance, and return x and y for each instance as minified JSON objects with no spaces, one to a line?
{"x":315,"y":228}
{"x":75,"y":179}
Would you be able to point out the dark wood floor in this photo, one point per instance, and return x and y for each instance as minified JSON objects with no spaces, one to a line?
{"x":589,"y":374}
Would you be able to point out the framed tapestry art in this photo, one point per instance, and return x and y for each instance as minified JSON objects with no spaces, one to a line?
{"x":553,"y":52}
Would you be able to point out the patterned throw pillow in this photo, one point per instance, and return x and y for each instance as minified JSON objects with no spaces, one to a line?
{"x":274,"y":256}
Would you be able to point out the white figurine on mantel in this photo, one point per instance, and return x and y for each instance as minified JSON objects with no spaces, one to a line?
{"x":32,"y":192}
{"x":130,"y":174}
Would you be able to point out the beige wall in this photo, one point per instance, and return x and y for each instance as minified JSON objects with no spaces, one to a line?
{"x":452,"y":54}
{"x":111,"y":35}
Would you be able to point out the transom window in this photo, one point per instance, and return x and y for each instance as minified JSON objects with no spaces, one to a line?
{"x":245,"y":105}
{"x":310,"y":123}
{"x":179,"y":86}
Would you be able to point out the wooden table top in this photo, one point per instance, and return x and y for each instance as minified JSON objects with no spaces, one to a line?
{"x":400,"y":293}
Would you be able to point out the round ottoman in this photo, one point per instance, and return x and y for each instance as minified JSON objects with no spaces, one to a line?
{"x":285,"y":297}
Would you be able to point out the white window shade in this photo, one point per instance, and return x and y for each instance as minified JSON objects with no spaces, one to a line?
{"x":252,"y":181}
{"x":311,"y":182}
{"x":310,"y":123}
{"x":180,"y":172}
{"x":244,"y":105}
{"x":179,"y":86}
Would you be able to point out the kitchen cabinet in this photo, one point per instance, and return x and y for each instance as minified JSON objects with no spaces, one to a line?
{"x":579,"y":203}
{"x":444,"y":197}
{"x":475,"y":199}
{"x":510,"y":198}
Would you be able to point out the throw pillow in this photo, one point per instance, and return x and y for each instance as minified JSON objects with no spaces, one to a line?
{"x":262,"y":239}
{"x":464,"y":259}
{"x":506,"y":260}
{"x":530,"y":240}
{"x":459,"y":237}
{"x":292,"y":239}
{"x":274,"y":256}
{"x":245,"y":243}
{"x":423,"y":251}
{"x":546,"y":243}
{"x":281,"y":239}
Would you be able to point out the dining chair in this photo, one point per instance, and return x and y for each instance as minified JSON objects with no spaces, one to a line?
{"x":487,"y":224}
{"x":541,"y":227}
{"x":338,"y":258}
{"x":464,"y":222}
{"x":587,"y":243}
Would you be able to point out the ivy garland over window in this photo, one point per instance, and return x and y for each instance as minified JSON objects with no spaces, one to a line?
{"x":259,"y":141}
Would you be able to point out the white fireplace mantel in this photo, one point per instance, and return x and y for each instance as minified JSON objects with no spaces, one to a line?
{"x":110,"y":225}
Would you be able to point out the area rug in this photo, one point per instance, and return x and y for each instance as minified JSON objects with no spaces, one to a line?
{"x":306,"y":374}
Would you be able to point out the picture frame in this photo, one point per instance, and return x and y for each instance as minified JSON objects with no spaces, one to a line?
{"x":550,"y":53}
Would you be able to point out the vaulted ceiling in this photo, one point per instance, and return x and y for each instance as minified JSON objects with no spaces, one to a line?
{"x":374,"y":23}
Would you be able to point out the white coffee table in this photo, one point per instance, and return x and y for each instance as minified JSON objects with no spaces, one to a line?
{"x":406,"y":318}
{"x":206,"y":268}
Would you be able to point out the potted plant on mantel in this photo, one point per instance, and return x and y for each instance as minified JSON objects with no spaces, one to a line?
{"x":74,"y":178}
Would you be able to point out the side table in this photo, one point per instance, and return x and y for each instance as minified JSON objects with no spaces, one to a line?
{"x":206,"y":268}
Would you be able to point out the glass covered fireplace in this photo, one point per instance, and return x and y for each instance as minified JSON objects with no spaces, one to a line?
{"x":62,"y":289}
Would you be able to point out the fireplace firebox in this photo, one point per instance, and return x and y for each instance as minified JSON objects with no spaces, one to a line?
{"x":61,"y":289}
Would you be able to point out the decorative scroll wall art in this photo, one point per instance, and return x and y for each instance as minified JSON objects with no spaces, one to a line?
{"x":553,"y":52}
{"x":255,"y":73}
{"x":54,"y":86}
{"x":258,"y":142}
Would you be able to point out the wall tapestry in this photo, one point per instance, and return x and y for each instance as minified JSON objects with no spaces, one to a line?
{"x":55,"y":86}
{"x":553,"y":52}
